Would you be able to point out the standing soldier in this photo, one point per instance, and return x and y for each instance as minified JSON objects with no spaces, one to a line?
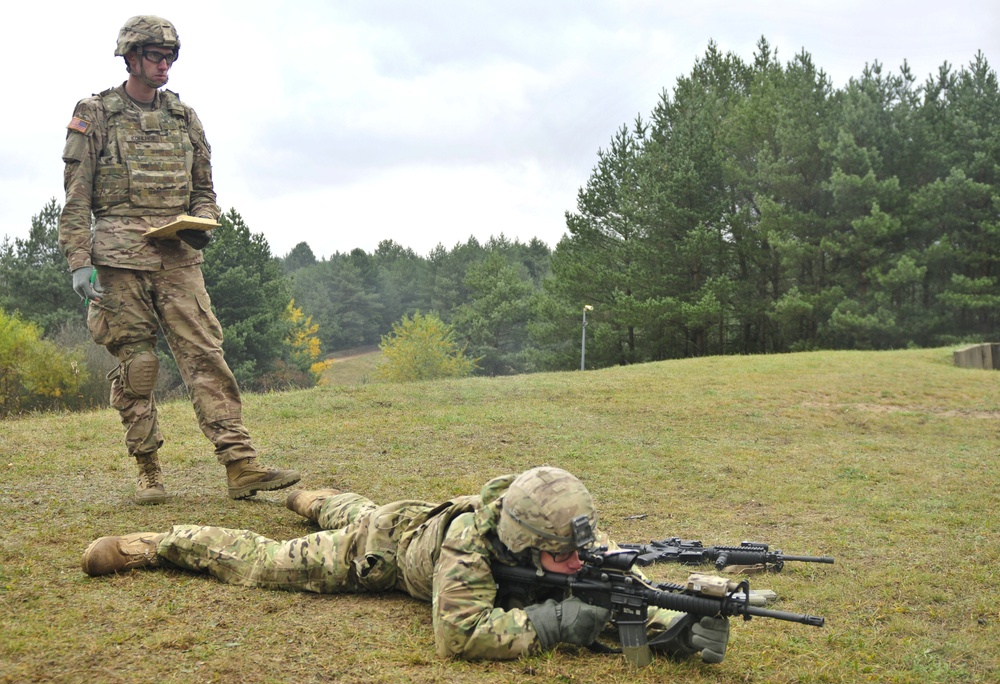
{"x":137,"y":159}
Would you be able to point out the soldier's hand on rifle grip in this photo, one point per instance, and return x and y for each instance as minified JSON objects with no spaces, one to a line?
{"x":568,"y":622}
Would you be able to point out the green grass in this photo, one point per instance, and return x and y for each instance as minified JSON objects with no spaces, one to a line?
{"x":885,"y":460}
{"x":351,"y":367}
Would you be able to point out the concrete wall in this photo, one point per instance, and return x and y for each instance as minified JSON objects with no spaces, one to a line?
{"x":984,"y":356}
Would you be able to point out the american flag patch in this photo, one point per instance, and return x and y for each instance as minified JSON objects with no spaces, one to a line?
{"x":79,"y":125}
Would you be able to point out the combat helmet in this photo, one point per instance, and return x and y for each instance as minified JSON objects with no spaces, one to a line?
{"x":147,"y":30}
{"x":547,"y":509}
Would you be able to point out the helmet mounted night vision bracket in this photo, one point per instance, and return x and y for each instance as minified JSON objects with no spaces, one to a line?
{"x":583,"y":533}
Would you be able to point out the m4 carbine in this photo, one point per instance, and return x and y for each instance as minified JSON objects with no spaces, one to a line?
{"x":692,"y":552}
{"x":607,"y":580}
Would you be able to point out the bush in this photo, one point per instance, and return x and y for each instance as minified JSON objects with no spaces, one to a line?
{"x":35,"y":373}
{"x":94,"y":389}
{"x":421,"y":348}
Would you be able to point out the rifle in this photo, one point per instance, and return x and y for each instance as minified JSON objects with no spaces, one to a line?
{"x":607,"y":580}
{"x":692,"y":552}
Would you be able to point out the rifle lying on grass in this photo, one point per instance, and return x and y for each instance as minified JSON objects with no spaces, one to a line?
{"x":691,"y":552}
{"x":607,"y":579}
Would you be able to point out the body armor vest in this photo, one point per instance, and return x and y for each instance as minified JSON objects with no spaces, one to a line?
{"x":145,"y":168}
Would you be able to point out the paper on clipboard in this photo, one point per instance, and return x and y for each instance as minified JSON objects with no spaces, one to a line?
{"x":169,"y":231}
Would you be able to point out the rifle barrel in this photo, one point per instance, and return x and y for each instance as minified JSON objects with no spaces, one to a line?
{"x":808,"y":559}
{"x":700,"y":605}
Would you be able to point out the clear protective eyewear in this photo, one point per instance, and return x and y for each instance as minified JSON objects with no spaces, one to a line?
{"x":155,"y":56}
{"x":563,"y":557}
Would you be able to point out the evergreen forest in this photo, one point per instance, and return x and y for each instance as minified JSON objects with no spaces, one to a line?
{"x":756,"y":209}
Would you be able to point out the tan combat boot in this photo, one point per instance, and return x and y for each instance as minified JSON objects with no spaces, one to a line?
{"x":149,"y":488}
{"x":247,"y":477}
{"x":111,"y":554}
{"x":308,"y":503}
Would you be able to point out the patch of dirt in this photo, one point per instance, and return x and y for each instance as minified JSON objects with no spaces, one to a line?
{"x":895,"y":408}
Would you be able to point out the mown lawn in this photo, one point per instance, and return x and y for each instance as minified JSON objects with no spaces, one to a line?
{"x":885,"y":460}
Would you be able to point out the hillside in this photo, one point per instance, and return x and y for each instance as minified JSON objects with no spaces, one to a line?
{"x":885,"y":460}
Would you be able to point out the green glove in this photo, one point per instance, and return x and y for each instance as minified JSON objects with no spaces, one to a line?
{"x":710,"y":635}
{"x":85,"y":283}
{"x":569,"y":622}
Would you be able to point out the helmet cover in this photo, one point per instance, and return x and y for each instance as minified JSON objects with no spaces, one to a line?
{"x":147,"y":30}
{"x":547,"y":509}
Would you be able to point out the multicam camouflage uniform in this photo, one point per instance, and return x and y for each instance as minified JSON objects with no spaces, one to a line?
{"x":133,"y":170}
{"x":437,"y":553}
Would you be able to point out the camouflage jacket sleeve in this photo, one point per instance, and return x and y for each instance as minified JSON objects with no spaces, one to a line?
{"x":84,"y":140}
{"x":202,"y":188}
{"x":466,"y":623}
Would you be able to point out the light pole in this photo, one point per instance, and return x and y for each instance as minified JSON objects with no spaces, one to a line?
{"x":583,"y":340}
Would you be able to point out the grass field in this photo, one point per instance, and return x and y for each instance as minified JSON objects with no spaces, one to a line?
{"x":351,"y":367}
{"x":885,"y":460}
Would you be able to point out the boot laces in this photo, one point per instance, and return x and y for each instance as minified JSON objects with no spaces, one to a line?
{"x":150,"y":474}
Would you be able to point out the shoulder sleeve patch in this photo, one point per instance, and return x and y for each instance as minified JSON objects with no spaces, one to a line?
{"x":79,"y":125}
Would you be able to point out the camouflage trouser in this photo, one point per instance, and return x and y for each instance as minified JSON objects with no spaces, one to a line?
{"x":355,"y":552}
{"x":135,"y":305}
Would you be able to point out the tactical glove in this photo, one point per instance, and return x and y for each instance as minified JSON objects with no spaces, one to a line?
{"x":83,"y":285}
{"x":569,"y":622}
{"x":709,"y":635}
{"x":198,"y":239}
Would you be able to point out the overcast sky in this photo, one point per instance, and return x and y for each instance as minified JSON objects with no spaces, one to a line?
{"x":345,"y":123}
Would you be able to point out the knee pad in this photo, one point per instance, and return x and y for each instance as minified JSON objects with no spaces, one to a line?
{"x":138,"y":373}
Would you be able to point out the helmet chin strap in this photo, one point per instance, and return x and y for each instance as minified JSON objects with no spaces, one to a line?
{"x":536,"y":561}
{"x":142,"y":73}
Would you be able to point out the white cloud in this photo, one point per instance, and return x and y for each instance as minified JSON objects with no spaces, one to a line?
{"x":426,"y":122}
{"x":419,"y":207}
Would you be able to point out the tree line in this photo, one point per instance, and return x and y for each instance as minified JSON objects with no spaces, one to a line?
{"x":756,"y":209}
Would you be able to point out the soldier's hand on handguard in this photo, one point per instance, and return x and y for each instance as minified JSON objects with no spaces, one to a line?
{"x":198,"y":239}
{"x":710,"y":635}
{"x":86,"y":284}
{"x":568,"y":622}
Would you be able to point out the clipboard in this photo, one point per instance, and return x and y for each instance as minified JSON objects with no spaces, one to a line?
{"x":169,"y":231}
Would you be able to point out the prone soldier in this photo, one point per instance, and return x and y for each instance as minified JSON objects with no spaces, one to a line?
{"x":441,"y":553}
